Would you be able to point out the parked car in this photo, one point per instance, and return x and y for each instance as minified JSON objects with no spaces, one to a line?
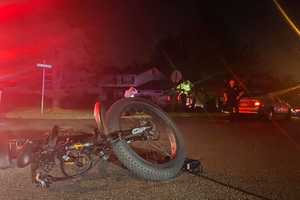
{"x":266,"y":106}
{"x":156,"y":96}
{"x":296,"y":111}
{"x":156,"y":91}
{"x":294,"y":102}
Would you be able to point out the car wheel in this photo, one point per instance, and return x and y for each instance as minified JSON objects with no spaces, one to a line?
{"x":288,"y":116}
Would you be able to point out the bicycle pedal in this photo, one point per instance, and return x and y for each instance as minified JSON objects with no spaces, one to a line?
{"x":192,"y":166}
{"x":104,"y":156}
{"x":42,"y":182}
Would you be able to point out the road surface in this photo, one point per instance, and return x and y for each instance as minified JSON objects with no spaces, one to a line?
{"x":257,"y":156}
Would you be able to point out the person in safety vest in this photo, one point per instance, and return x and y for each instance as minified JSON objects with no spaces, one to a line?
{"x":185,"y":87}
{"x":184,"y":90}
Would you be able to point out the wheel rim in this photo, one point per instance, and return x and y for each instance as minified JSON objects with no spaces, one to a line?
{"x":76,"y":163}
{"x":157,"y":144}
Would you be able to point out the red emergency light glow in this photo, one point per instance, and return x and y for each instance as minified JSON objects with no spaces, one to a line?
{"x":12,"y":11}
{"x":15,"y":10}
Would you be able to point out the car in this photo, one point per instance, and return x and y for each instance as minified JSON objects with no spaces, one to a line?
{"x":156,"y":96}
{"x":294,"y":101}
{"x":267,"y":106}
{"x":296,"y":111}
{"x":156,"y":91}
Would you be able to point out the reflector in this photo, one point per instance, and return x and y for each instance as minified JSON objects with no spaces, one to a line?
{"x":97,"y":115}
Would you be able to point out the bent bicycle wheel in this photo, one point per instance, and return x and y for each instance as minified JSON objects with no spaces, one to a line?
{"x":156,"y":151}
{"x":76,"y":163}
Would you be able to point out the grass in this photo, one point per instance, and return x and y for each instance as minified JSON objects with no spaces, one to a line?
{"x":59,"y":113}
{"x":56,"y":113}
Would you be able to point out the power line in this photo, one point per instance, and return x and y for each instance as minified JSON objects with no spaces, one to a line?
{"x":287,"y":18}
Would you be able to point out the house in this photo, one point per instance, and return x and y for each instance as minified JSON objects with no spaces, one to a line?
{"x":114,"y":85}
{"x":77,"y":88}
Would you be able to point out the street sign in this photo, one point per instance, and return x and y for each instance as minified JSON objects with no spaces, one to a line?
{"x":176,"y":76}
{"x":44,"y":65}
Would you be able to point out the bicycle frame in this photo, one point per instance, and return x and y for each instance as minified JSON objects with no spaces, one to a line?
{"x":42,"y":154}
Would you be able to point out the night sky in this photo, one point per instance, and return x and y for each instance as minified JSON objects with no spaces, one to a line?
{"x":197,"y":36}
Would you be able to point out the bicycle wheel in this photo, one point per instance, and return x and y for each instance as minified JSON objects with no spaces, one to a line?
{"x":75,"y":163}
{"x":158,"y":151}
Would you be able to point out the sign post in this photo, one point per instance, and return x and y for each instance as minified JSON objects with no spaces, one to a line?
{"x":176,"y":76}
{"x":44,"y":67}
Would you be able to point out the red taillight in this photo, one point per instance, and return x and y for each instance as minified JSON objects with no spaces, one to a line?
{"x":257,"y":103}
{"x":168,"y":98}
{"x":97,"y":110}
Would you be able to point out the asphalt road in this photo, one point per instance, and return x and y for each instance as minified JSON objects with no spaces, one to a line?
{"x":257,"y":156}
